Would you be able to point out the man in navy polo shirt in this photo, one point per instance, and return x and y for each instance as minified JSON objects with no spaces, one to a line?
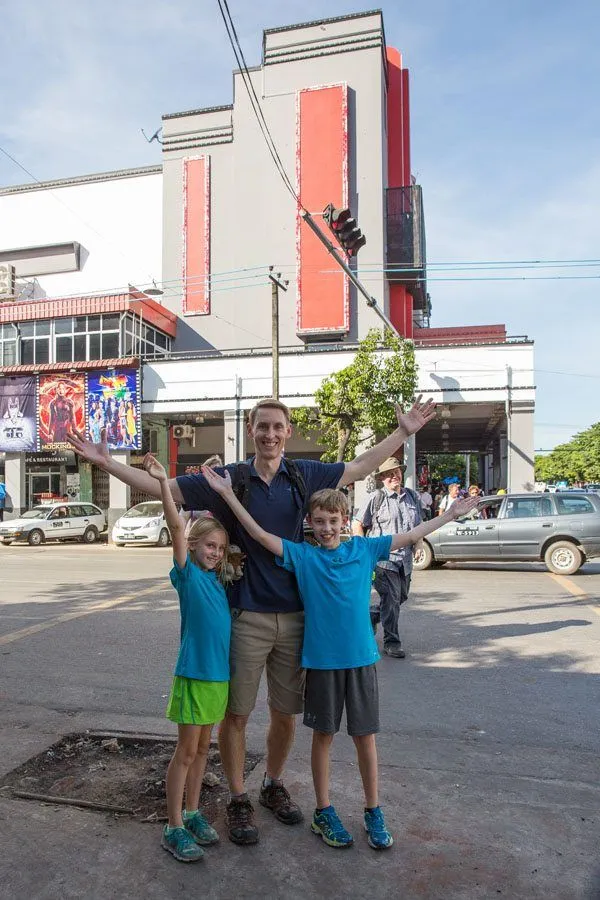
{"x":268,"y":621}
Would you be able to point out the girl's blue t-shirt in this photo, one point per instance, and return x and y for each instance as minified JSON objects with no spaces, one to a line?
{"x":335,"y":587}
{"x":205,"y":623}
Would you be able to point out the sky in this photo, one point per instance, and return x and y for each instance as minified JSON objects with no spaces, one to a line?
{"x":505,"y":129}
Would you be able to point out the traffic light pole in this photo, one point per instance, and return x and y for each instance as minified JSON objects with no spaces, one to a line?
{"x":371,"y":301}
{"x":276,"y":283}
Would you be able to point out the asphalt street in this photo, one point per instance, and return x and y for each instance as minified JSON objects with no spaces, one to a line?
{"x":489,"y":726}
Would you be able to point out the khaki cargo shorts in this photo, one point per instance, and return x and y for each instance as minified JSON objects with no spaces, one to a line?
{"x":273,"y":640}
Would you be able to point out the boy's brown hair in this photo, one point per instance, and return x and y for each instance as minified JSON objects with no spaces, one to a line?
{"x":330,"y":500}
{"x":269,"y":403}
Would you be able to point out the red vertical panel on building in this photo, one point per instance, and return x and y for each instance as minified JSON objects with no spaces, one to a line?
{"x":398,"y":136}
{"x":173,"y":451}
{"x":196,"y":235}
{"x":322,"y":177}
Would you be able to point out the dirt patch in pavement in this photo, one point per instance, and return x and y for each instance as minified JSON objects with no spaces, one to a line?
{"x":126,"y":772}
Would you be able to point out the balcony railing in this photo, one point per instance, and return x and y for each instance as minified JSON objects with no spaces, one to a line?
{"x":406,"y":258}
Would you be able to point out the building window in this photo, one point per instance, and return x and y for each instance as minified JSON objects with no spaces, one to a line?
{"x":86,"y":337}
{"x":8,"y":345}
{"x":144,"y":340}
{"x":35,"y":342}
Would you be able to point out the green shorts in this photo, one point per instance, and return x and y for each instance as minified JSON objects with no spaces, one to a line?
{"x":194,"y":702}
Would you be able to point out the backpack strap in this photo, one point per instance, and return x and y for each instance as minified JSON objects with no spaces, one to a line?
{"x":297,"y":481}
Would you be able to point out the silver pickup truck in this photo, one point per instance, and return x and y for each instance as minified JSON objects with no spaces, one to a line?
{"x":562,"y":529}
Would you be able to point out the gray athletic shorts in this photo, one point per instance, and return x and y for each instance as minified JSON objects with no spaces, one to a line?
{"x":328,"y":691}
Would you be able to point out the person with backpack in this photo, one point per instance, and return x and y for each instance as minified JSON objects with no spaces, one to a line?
{"x":267,"y":627}
{"x":392,"y":509}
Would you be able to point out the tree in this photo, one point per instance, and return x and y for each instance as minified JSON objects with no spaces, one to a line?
{"x":361,"y":397}
{"x":578,"y":460}
{"x":447,"y":465}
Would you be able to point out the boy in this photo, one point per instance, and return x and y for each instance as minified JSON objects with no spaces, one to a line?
{"x":339,"y":652}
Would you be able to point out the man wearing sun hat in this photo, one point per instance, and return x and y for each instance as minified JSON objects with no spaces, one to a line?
{"x":393,"y":509}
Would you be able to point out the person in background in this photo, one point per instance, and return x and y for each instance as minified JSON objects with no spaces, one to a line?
{"x":426,"y":503}
{"x":447,"y":501}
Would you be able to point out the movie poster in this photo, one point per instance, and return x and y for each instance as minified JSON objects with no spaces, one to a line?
{"x":18,"y":429}
{"x":61,"y":407}
{"x":114,"y":404}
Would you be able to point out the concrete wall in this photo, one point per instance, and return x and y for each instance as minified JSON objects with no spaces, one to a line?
{"x":253,"y":217}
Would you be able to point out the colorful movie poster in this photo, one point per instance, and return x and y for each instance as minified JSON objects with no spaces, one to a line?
{"x":61,"y":407}
{"x":18,"y":428}
{"x":114,"y":404}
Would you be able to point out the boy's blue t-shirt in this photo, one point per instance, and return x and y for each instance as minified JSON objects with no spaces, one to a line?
{"x":205,"y":623}
{"x":335,"y":586}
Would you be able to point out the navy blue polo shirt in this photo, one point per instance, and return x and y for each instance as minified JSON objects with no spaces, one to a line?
{"x":265,"y":587}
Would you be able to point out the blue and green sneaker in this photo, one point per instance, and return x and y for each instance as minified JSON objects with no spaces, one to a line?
{"x":181,"y":844}
{"x":378,"y":835}
{"x":198,"y":827}
{"x":327,"y":823}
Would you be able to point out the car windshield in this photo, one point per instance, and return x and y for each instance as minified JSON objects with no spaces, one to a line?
{"x":144,"y":510}
{"x":38,"y":512}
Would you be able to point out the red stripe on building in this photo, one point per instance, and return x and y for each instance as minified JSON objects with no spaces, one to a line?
{"x":322,"y":178}
{"x":196,"y":235}
{"x":398,"y":141}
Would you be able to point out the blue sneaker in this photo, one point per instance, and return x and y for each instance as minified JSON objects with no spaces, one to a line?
{"x":198,"y":827}
{"x":328,"y":825}
{"x":181,"y":844}
{"x":379,"y":836}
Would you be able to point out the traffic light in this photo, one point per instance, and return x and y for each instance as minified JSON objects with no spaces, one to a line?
{"x":345,"y":229}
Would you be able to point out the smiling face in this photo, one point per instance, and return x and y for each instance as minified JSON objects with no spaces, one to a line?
{"x":392,"y":479}
{"x":327,"y":527}
{"x":454,"y":489}
{"x":269,"y":430}
{"x":210,"y":548}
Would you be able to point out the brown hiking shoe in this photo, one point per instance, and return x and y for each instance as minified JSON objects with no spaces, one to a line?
{"x":239,"y":818}
{"x":276,"y":798}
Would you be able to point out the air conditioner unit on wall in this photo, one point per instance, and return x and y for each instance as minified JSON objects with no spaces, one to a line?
{"x":181,"y":432}
{"x":7,"y":282}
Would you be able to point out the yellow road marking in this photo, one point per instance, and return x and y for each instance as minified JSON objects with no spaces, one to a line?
{"x":574,"y":589}
{"x":67,"y":617}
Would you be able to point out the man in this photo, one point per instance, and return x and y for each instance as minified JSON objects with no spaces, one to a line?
{"x":426,"y":502}
{"x":393,"y":509}
{"x":447,"y":501}
{"x":267,"y":626}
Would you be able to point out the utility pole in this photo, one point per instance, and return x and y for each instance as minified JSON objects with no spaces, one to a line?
{"x":276,"y":283}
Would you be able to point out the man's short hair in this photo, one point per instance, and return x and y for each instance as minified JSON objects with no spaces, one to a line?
{"x":330,"y":500}
{"x":268,"y":403}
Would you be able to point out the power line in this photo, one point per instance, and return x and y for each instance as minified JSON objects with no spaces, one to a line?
{"x":254,"y":101}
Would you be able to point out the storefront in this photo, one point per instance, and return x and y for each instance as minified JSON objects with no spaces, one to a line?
{"x":51,"y":475}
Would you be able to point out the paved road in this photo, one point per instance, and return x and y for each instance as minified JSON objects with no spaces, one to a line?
{"x":489,"y":727}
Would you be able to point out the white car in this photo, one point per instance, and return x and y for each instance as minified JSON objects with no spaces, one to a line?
{"x":55,"y":522}
{"x":142,"y":524}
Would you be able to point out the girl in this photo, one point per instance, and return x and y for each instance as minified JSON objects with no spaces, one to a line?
{"x":201,"y":683}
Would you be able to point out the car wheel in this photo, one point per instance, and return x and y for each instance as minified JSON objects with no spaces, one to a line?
{"x":163,"y":538}
{"x":6,"y":543}
{"x":90,"y":535}
{"x":423,"y":558}
{"x":563,"y":558}
{"x":36,"y":537}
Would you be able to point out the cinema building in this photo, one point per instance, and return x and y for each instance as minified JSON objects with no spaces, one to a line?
{"x":165,"y":269}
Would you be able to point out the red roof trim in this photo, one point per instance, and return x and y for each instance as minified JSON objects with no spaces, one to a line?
{"x":463,"y":334}
{"x":131,"y":362}
{"x":153,"y":313}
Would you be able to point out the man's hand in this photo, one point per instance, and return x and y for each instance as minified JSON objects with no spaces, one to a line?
{"x":462,"y":507}
{"x":220,"y":484}
{"x":154,"y":467}
{"x":94,"y":453}
{"x":418,"y":416}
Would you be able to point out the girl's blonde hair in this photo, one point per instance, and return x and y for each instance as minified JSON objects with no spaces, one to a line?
{"x":202,"y":527}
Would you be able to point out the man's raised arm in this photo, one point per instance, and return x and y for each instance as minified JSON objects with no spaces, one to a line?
{"x":135,"y":477}
{"x":408,"y":423}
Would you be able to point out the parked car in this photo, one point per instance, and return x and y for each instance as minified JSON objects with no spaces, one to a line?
{"x":55,"y":522}
{"x":142,"y":524}
{"x":562,"y":529}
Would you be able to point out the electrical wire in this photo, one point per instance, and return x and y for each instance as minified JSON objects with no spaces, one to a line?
{"x":254,"y":101}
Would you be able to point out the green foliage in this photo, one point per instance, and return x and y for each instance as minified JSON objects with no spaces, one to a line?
{"x":447,"y":465}
{"x":579,"y":460}
{"x":361,"y":396}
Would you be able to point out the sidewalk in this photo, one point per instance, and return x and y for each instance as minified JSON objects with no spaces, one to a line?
{"x":496,"y":824}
